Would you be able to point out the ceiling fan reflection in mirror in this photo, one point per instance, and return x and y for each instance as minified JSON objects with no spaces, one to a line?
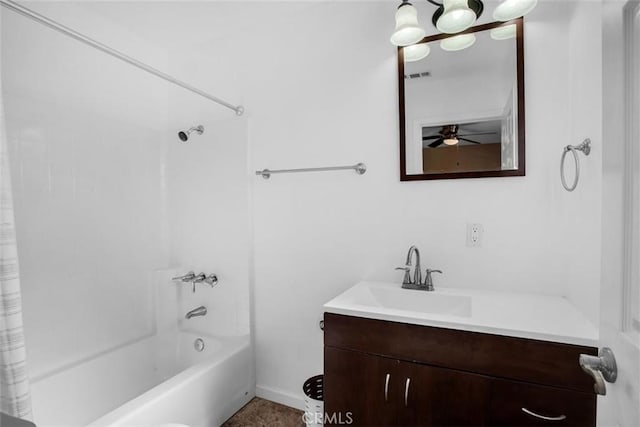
{"x":452,"y":135}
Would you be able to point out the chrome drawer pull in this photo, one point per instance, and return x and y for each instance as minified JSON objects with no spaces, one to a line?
{"x":406,"y":392}
{"x":542,"y":417}
{"x":386,"y":388}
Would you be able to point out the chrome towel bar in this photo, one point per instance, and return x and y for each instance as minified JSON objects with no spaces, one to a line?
{"x":360,"y":168}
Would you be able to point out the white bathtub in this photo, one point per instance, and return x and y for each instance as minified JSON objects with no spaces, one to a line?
{"x":159,"y":380}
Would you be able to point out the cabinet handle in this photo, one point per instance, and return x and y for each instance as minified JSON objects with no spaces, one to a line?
{"x":406,"y":392}
{"x":542,"y":417}
{"x":386,"y":388}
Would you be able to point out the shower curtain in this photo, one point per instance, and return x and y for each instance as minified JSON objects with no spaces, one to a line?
{"x":15,"y":398}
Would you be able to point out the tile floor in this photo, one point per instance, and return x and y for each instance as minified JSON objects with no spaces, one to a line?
{"x":263,"y":413}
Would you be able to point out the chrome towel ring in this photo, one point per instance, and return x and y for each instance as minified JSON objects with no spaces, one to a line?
{"x":585,"y":147}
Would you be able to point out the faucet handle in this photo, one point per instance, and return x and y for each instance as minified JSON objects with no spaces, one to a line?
{"x":428,"y":280}
{"x":199,"y":278}
{"x":211,"y":280}
{"x":186,"y":278}
{"x":407,"y":274}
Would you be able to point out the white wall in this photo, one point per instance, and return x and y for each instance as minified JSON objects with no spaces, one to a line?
{"x":318,"y":97}
{"x":584,"y":208}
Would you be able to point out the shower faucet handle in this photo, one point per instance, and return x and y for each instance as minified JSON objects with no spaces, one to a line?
{"x":211,"y":280}
{"x":186,"y":278}
{"x":197,"y":279}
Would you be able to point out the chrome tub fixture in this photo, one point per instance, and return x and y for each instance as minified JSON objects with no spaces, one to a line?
{"x":198,"y":311}
{"x":210,"y":280}
{"x":192,"y":278}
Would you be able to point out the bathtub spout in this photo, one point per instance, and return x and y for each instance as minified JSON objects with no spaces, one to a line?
{"x":200,"y":311}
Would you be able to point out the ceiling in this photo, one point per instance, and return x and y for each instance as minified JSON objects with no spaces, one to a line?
{"x":179,"y":23}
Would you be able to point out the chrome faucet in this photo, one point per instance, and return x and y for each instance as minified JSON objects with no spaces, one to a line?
{"x":199,"y":311}
{"x":416,"y":282}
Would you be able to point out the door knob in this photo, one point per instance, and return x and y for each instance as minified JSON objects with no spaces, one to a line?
{"x":602,"y":368}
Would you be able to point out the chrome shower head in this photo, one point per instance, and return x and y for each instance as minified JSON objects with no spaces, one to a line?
{"x":184,"y":134}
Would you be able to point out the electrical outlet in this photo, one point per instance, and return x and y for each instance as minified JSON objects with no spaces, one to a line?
{"x":474,"y":235}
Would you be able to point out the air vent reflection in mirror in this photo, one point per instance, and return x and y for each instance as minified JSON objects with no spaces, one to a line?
{"x":417,"y":75}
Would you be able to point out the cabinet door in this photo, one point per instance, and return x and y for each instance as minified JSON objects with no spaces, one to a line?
{"x":433,"y":396}
{"x":359,"y":389}
{"x":519,"y":404}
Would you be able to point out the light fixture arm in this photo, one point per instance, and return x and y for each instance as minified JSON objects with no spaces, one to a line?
{"x":435,"y":3}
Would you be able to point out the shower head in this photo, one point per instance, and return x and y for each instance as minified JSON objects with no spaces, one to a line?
{"x":184,"y":134}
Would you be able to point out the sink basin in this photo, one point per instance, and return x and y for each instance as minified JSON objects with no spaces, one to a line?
{"x":422,"y":301}
{"x":412,"y":300}
{"x":541,"y":317}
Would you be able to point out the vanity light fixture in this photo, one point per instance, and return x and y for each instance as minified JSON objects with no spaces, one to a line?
{"x":416,"y":52}
{"x":454,"y":16}
{"x":408,"y":30}
{"x":504,"y":33}
{"x":458,"y":42}
{"x":512,"y":9}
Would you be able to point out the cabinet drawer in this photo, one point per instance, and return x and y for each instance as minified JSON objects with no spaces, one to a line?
{"x":521,"y":359}
{"x":510,"y":401}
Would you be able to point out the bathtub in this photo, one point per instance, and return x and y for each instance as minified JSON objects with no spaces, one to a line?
{"x":162,"y":379}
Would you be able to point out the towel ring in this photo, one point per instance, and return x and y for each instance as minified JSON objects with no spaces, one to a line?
{"x":585,"y":147}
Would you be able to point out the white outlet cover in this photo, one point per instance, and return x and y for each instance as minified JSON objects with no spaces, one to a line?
{"x":475,"y":234}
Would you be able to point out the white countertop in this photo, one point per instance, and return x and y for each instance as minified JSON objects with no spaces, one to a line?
{"x":540,"y":317}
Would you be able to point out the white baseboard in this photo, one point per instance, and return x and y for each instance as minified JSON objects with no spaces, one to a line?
{"x":280,"y":396}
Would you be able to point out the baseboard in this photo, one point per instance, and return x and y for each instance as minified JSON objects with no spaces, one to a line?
{"x":280,"y":396}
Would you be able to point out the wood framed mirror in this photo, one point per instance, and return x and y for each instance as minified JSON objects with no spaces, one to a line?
{"x":461,"y":106}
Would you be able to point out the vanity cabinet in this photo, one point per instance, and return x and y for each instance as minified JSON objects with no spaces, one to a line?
{"x":380,"y":391}
{"x":380,"y":373}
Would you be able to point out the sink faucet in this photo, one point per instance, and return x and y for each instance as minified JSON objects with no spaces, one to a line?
{"x":416,"y":282}
{"x":199,"y":311}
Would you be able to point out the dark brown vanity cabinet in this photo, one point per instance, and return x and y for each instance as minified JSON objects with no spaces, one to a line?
{"x":379,"y":391}
{"x":380,"y":373}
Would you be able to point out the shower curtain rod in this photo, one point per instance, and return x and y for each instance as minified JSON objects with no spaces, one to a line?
{"x":15,"y":7}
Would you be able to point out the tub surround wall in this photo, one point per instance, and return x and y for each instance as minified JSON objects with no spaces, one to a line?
{"x":209,"y":219}
{"x":110,"y":205}
{"x":86,"y":161}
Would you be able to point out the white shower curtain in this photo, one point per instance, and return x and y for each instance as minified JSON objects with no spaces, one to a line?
{"x":15,"y":398}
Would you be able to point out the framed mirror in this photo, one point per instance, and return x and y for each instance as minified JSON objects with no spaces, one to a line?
{"x":462,"y":104}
